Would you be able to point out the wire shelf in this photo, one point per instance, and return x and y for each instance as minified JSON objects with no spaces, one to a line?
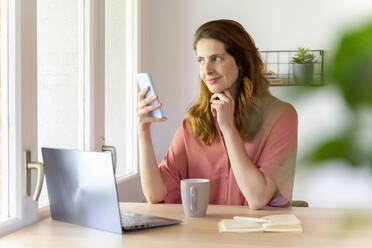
{"x":279,"y":68}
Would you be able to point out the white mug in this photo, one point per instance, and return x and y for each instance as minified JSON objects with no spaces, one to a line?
{"x":195,"y":196}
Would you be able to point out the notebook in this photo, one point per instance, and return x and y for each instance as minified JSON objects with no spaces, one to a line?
{"x":273,"y":223}
{"x":82,"y":190}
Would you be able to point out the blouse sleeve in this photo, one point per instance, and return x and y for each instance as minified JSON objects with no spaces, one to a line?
{"x":278,"y":159}
{"x":173,"y":168}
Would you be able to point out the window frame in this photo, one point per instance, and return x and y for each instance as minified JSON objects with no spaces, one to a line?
{"x":20,"y":20}
{"x":22,"y":105}
{"x":4,"y":108}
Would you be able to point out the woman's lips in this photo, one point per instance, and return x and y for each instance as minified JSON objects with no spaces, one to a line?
{"x":212,"y":80}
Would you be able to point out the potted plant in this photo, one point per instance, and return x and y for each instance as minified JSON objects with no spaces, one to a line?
{"x":303,"y":66}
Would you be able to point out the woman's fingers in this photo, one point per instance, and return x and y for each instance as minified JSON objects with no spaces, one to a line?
{"x":144,"y":107}
{"x":150,"y":119}
{"x":217,"y":104}
{"x":142,"y":93}
{"x":147,"y":109}
{"x":219,"y":96}
{"x":147,"y":101}
{"x":221,"y":105}
{"x":153,"y":119}
{"x":223,"y":96}
{"x":215,"y":107}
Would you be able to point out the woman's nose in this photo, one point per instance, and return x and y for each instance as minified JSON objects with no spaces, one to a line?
{"x":208,"y":68}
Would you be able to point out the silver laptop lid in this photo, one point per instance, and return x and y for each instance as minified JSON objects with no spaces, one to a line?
{"x":82,"y":188}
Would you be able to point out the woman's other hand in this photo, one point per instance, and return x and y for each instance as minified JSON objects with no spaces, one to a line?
{"x":144,"y":109}
{"x":223,"y":106}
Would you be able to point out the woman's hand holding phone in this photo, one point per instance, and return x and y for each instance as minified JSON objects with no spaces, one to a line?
{"x":149,"y":111}
{"x":148,"y":107}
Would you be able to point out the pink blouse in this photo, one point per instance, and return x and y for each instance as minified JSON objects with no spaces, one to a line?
{"x":273,"y":151}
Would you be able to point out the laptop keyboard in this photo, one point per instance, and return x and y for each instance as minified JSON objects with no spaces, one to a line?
{"x":130,"y":220}
{"x":133,"y":221}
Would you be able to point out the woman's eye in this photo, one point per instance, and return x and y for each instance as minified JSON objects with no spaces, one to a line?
{"x":200,"y":61}
{"x":217,"y":59}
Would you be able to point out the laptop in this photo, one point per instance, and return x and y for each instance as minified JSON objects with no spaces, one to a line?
{"x":82,"y":190}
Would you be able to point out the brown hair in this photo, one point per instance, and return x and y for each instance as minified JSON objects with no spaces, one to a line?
{"x":252,"y":84}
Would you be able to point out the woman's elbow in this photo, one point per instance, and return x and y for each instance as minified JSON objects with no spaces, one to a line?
{"x":152,"y":200}
{"x":256,"y":206}
{"x":155,"y":198}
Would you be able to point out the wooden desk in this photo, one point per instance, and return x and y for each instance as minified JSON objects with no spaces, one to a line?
{"x":322,"y":228}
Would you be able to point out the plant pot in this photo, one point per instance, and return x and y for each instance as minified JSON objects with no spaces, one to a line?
{"x":303,"y":73}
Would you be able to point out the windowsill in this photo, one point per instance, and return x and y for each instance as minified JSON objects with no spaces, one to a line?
{"x":8,"y":221}
{"x":44,"y":213}
{"x":12,"y":224}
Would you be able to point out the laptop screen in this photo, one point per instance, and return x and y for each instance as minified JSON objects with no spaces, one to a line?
{"x":82,"y":188}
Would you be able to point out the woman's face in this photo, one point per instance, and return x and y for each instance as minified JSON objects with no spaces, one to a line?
{"x":218,"y":69}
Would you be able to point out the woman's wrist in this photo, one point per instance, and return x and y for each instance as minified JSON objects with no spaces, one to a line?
{"x":230,"y":132}
{"x":144,"y":130}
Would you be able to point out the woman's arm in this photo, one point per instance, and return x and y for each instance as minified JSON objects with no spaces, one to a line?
{"x":257,"y":189}
{"x":151,"y":180}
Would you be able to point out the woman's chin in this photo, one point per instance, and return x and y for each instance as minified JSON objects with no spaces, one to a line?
{"x":214,"y":90}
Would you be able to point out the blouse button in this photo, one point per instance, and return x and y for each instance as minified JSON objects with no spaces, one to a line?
{"x":225,"y":177}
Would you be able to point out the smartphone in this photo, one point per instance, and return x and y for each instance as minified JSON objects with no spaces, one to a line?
{"x":144,"y":80}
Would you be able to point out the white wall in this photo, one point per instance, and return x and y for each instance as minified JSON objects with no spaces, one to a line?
{"x":167,"y":28}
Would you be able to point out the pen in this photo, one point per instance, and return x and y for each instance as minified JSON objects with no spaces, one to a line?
{"x":257,"y":220}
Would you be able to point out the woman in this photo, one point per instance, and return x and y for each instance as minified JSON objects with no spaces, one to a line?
{"x":237,"y":135}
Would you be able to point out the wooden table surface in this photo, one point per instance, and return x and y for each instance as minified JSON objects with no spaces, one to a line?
{"x":322,"y":228}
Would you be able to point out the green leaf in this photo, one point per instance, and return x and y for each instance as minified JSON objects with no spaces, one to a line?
{"x":338,"y":148}
{"x":351,"y":67}
{"x":303,"y":56}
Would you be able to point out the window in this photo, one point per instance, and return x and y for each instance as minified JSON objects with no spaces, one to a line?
{"x":3,"y":119}
{"x":65,"y":67}
{"x":52,"y":90}
{"x":120,"y":83}
{"x":60,"y":77}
